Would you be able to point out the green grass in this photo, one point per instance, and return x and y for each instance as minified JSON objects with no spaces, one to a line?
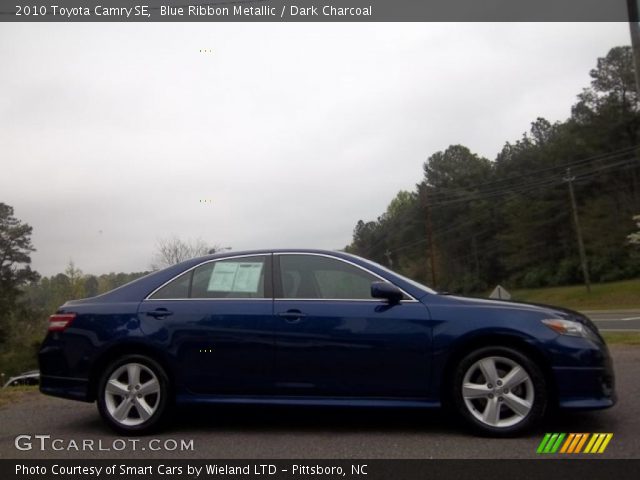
{"x":13,"y":394}
{"x":621,"y":338}
{"x":604,"y":296}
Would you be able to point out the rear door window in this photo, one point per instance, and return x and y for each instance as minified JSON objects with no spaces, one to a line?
{"x":233,"y":278}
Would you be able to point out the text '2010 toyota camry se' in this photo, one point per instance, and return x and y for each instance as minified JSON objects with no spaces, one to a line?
{"x":311,"y":327}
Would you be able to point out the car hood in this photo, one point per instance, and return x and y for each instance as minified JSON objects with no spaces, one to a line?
{"x":549,"y":310}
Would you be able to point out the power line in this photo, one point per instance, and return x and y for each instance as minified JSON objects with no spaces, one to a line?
{"x":628,"y":163}
{"x":548,"y":181}
{"x":543,"y":179}
{"x":564,"y":166}
{"x":585,"y":173}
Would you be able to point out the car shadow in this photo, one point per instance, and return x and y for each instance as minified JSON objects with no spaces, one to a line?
{"x":597,"y":421}
{"x":305,"y":419}
{"x":312,"y":419}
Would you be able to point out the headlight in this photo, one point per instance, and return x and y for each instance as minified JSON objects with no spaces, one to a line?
{"x":568,"y":327}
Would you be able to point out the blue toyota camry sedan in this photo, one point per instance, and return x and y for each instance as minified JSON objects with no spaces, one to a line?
{"x":311,"y":327}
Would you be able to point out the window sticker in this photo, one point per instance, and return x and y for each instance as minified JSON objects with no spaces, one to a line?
{"x":222,"y":277}
{"x":247,"y":277}
{"x":235,"y":277}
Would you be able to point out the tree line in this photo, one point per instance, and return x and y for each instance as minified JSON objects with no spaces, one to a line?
{"x":471,"y":222}
{"x":27,"y":299}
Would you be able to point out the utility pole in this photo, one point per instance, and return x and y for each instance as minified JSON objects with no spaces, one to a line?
{"x":634,"y":28}
{"x":389,"y":259}
{"x":474,"y":245}
{"x":432,"y":255}
{"x":583,"y":257}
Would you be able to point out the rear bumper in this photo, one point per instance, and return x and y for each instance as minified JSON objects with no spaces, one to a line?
{"x":65,"y":387}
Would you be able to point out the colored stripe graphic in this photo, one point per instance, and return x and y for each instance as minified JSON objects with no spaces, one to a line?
{"x":568,"y":442}
{"x":582,"y":441}
{"x":550,"y":443}
{"x":598,"y":443}
{"x":606,"y":442}
{"x":556,"y":446}
{"x":573,"y":443}
{"x":592,"y":440}
{"x":578,"y":441}
{"x":543,"y":443}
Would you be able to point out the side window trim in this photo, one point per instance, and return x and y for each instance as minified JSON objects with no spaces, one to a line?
{"x":191,"y":273}
{"x":268,"y":279}
{"x":279,"y":291}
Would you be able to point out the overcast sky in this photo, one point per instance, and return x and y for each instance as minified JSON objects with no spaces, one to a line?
{"x":112,"y":134}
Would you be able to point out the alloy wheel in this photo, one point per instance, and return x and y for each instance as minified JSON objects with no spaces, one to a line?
{"x":132,"y":394}
{"x":498,"y":391}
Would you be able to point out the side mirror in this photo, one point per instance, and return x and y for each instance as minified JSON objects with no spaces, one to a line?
{"x":387,"y":291}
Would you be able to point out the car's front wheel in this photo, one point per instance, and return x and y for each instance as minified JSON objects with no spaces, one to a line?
{"x":499,"y":391}
{"x":133,"y":394}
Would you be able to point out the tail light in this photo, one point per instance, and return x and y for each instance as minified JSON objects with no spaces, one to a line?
{"x":60,"y":321}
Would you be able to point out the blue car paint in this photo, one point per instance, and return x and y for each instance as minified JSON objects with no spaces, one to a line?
{"x":233,"y":339}
{"x":341,"y":353}
{"x":370,"y":344}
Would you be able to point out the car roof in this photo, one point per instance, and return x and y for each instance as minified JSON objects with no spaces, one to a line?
{"x":138,"y":289}
{"x":265,"y":251}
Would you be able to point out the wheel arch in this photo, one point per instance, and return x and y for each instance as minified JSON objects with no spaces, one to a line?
{"x":514,"y":341}
{"x":118,"y":350}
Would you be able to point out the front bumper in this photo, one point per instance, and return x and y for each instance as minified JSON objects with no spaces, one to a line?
{"x":585,"y":388}
{"x":587,"y":381}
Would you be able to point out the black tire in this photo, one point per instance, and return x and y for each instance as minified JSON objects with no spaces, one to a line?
{"x":158,"y":403}
{"x":511,"y":406}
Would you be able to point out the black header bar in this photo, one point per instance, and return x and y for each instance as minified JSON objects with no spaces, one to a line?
{"x":363,"y":469}
{"x":315,"y":11}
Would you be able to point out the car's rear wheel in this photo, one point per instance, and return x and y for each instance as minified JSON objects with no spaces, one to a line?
{"x":133,"y":394}
{"x":499,"y":391}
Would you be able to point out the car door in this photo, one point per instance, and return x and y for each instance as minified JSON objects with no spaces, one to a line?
{"x":216,"y":322}
{"x":334,"y":339}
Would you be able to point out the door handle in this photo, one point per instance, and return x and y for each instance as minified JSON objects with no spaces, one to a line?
{"x":292,"y":316}
{"x":159,"y":313}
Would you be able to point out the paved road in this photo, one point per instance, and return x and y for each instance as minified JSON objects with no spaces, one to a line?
{"x":615,"y":320}
{"x":251,"y":432}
